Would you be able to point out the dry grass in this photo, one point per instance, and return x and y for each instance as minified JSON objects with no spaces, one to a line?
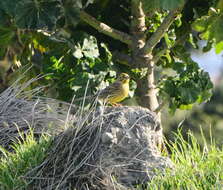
{"x":22,"y":109}
{"x":79,"y":160}
{"x":67,"y":163}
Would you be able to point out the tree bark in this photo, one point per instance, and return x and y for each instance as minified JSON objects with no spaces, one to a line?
{"x":105,"y":29}
{"x":146,"y":90}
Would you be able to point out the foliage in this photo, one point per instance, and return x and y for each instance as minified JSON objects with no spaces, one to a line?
{"x":195,"y":168}
{"x":164,"y":4}
{"x":210,"y":27}
{"x":26,"y":155}
{"x":207,"y":116}
{"x":190,"y":85}
{"x":52,"y":36}
{"x":71,"y":60}
{"x":71,"y":70}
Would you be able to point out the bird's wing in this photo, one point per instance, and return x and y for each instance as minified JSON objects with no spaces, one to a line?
{"x":109,"y":90}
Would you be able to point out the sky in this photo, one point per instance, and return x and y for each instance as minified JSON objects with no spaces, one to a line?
{"x":209,"y":61}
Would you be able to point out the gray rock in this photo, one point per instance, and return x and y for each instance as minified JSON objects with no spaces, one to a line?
{"x":115,"y":148}
{"x":130,"y":152}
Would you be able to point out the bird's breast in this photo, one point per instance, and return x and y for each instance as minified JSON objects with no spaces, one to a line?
{"x":125,"y":90}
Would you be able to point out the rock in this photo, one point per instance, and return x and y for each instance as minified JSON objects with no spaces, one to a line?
{"x":130,"y":152}
{"x":114,"y":149}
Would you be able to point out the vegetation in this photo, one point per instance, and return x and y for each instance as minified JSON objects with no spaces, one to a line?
{"x":207,"y":117}
{"x":27,"y":154}
{"x":73,"y":43}
{"x":77,"y":41}
{"x":195,"y":167}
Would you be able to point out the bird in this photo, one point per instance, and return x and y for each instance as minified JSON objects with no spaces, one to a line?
{"x":115,"y":92}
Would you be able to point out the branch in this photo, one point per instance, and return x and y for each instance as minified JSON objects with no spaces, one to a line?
{"x":158,"y":34}
{"x":105,"y":29}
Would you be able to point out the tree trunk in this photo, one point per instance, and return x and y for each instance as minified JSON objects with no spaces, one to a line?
{"x":146,"y":90}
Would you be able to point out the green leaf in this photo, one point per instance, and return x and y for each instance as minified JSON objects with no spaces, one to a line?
{"x":72,"y":11}
{"x":178,"y":21}
{"x":108,"y":53}
{"x":9,"y":6}
{"x":201,"y":24}
{"x":210,"y":27}
{"x":179,"y":67}
{"x":192,"y":41}
{"x":219,"y":47}
{"x":30,"y":14}
{"x":188,"y":93}
{"x":168,"y":57}
{"x":171,"y":4}
{"x":208,"y":47}
{"x":189,"y":86}
{"x":167,"y":40}
{"x":3,"y":18}
{"x":89,"y":48}
{"x":170,"y":87}
{"x":186,"y":107}
{"x":153,"y":5}
{"x":6,"y":36}
{"x":217,"y":27}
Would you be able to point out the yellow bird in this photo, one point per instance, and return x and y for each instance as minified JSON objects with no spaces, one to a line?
{"x":117,"y":91}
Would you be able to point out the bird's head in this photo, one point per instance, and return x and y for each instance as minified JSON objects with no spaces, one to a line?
{"x":124,"y":78}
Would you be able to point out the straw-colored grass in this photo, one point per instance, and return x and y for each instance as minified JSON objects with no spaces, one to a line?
{"x":21,"y":109}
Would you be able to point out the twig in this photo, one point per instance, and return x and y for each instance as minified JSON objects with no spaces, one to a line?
{"x":105,"y":29}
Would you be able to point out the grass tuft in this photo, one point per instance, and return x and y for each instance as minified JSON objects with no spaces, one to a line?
{"x":195,"y":167}
{"x":27,"y":153}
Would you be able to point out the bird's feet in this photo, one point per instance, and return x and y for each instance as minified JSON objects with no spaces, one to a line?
{"x":116,"y":104}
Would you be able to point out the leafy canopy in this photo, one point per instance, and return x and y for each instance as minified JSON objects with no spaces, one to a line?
{"x":49,"y":34}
